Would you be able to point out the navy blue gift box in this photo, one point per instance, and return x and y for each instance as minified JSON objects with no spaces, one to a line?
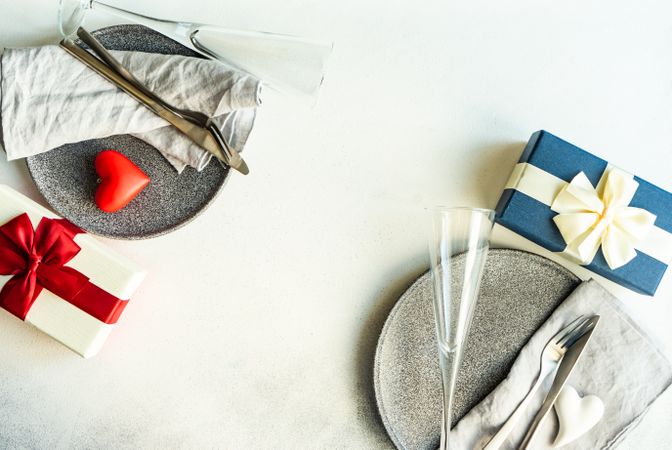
{"x":533,"y":219}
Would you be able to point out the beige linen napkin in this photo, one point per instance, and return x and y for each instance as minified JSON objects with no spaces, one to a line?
{"x":620,"y":365}
{"x":48,"y":98}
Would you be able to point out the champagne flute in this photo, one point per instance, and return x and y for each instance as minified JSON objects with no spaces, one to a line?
{"x":456,"y":281}
{"x":288,"y":64}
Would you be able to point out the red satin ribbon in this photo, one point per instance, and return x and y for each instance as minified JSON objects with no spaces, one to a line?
{"x":37,"y":258}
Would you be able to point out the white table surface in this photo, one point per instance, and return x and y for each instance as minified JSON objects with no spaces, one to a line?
{"x":257,"y":325}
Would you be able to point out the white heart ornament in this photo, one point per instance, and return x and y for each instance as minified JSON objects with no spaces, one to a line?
{"x":576,"y":415}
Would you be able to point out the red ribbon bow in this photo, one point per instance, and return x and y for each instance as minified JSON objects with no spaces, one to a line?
{"x":37,"y":258}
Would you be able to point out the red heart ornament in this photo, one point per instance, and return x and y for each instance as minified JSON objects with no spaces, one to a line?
{"x":120,"y":180}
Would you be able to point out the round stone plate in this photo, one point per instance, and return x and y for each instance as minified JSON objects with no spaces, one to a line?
{"x":67,"y":179}
{"x":518,"y":292}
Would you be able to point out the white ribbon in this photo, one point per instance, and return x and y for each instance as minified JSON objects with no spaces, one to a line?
{"x":545,"y":187}
{"x":589,"y":218}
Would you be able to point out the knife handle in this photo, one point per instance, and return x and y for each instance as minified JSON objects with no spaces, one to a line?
{"x":503,"y":433}
{"x":536,"y":423}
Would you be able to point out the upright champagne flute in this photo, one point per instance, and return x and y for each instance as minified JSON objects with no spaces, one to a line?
{"x":288,"y":64}
{"x":459,"y":240}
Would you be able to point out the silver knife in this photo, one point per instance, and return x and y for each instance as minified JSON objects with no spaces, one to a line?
{"x":564,"y":371}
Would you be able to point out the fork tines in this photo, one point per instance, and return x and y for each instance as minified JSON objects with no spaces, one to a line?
{"x":574,"y":331}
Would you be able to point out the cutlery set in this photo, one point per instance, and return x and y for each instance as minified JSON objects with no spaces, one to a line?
{"x":560,"y":354}
{"x":195,"y":125}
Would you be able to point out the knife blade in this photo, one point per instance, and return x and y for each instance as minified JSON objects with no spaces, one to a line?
{"x":203,"y":137}
{"x":564,"y":371}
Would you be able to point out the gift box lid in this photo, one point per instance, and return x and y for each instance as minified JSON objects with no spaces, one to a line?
{"x":546,"y":164}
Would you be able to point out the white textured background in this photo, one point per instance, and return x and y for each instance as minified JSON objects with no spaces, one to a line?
{"x":257,"y":325}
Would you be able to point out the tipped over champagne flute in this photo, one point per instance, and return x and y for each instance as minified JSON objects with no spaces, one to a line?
{"x":459,"y":240}
{"x":287,"y":64}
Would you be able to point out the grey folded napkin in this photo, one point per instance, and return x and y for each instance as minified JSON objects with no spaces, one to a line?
{"x":48,"y":98}
{"x":620,"y":365}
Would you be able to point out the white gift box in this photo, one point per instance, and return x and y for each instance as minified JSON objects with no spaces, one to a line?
{"x":105,"y":268}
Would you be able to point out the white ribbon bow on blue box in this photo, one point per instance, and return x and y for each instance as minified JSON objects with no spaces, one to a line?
{"x":597,"y":215}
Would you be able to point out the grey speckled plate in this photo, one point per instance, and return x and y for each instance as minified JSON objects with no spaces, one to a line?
{"x":518,"y":292}
{"x":67,"y":179}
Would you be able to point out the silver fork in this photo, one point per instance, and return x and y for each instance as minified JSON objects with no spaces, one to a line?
{"x":550,"y":356}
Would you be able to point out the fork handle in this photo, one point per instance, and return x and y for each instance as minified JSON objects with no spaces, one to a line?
{"x":500,"y":437}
